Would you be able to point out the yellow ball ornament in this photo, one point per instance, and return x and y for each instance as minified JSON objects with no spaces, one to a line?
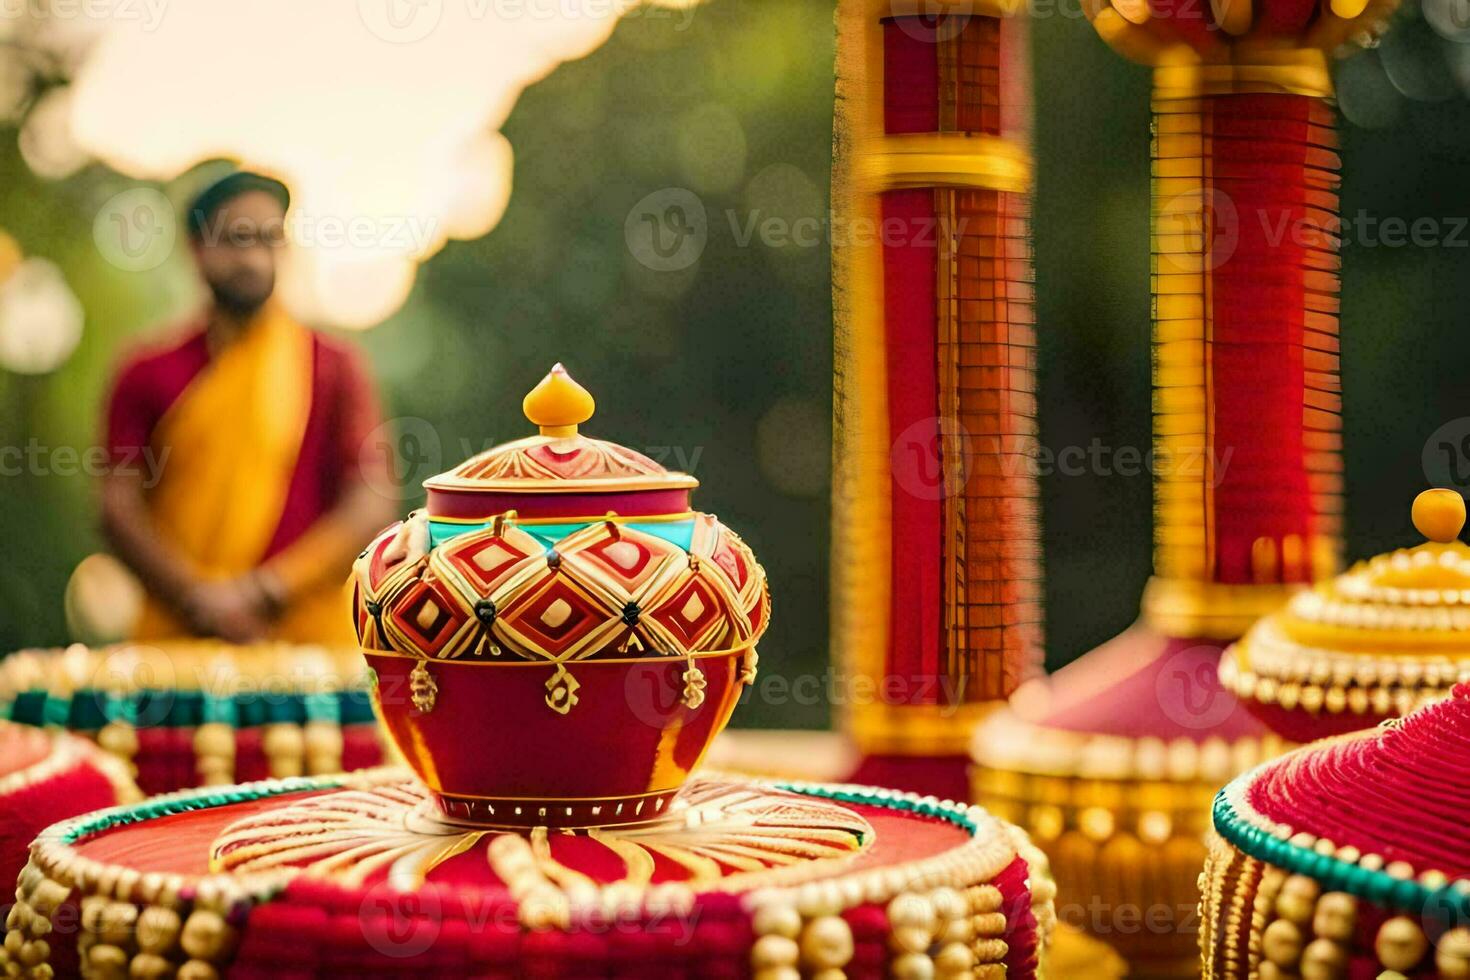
{"x":1439,"y":515}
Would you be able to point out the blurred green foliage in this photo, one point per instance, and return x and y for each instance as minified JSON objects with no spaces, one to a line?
{"x":725,"y":367}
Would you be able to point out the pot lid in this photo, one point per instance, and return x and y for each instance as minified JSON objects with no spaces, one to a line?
{"x":560,"y":459}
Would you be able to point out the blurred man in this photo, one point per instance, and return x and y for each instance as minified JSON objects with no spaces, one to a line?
{"x":246,"y":526}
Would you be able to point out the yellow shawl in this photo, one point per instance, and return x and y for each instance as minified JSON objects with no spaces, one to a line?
{"x":233,"y":438}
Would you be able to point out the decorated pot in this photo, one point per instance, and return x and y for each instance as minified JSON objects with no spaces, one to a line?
{"x":557,"y":638}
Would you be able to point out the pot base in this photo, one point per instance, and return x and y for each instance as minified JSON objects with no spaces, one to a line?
{"x":519,"y":813}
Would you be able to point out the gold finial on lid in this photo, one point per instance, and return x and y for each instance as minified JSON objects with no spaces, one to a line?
{"x":558,"y":404}
{"x":1439,"y":515}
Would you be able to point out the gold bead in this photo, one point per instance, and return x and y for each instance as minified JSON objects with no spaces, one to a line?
{"x":107,"y":960}
{"x":115,"y":925}
{"x":777,"y":920}
{"x":988,"y":924}
{"x":285,"y":748}
{"x":826,"y":943}
{"x":911,"y":911}
{"x":1282,"y":943}
{"x":774,"y":951}
{"x":47,"y":896}
{"x":948,"y":903}
{"x":1400,"y":943}
{"x":197,"y":970}
{"x":955,"y":931}
{"x":19,"y":917}
{"x":1323,"y":959}
{"x":206,"y":936}
{"x":119,"y":738}
{"x":984,"y":898}
{"x":778,"y":973}
{"x":150,"y":966}
{"x":1452,"y":954}
{"x":912,"y":966}
{"x":1336,"y":916}
{"x":1297,"y":898}
{"x":35,"y":952}
{"x":909,"y":939}
{"x":954,"y":958}
{"x":158,"y":929}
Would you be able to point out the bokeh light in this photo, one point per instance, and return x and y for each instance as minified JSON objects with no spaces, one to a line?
{"x":40,"y":318}
{"x":103,"y":600}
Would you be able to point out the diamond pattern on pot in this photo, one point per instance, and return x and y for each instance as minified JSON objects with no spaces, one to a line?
{"x":691,"y":615}
{"x":430,"y":619}
{"x":479,"y":563}
{"x":620,"y":564}
{"x":720,"y":547}
{"x":553,"y":617}
{"x":376,"y":583}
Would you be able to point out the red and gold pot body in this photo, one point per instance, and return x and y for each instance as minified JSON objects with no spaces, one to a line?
{"x":618,"y":757}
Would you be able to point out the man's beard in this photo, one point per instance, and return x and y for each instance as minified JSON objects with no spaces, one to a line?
{"x":238,"y":302}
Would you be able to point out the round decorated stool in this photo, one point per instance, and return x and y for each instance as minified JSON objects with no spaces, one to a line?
{"x":194,"y":713}
{"x":46,"y":776}
{"x":363,"y":873}
{"x":1388,"y":635}
{"x":1111,"y":767}
{"x":1349,"y":858}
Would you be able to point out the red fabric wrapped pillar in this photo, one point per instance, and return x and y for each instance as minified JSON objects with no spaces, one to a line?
{"x":936,"y":570}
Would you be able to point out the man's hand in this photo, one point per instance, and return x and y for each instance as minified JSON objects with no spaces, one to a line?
{"x":235,"y":610}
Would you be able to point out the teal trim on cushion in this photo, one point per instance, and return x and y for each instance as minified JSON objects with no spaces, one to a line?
{"x":924,"y":806}
{"x":189,"y":800}
{"x":88,"y":710}
{"x":680,"y":533}
{"x":1448,"y":903}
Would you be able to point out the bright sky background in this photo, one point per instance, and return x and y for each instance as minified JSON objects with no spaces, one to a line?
{"x":382,"y":116}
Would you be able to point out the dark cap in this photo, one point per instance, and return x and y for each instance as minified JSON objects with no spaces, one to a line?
{"x":226,"y":189}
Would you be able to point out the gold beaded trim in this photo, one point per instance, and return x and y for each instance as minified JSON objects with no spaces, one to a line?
{"x":1293,"y":676}
{"x":1296,"y":929}
{"x":945,"y":920}
{"x":185,"y":666}
{"x":1008,"y":742}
